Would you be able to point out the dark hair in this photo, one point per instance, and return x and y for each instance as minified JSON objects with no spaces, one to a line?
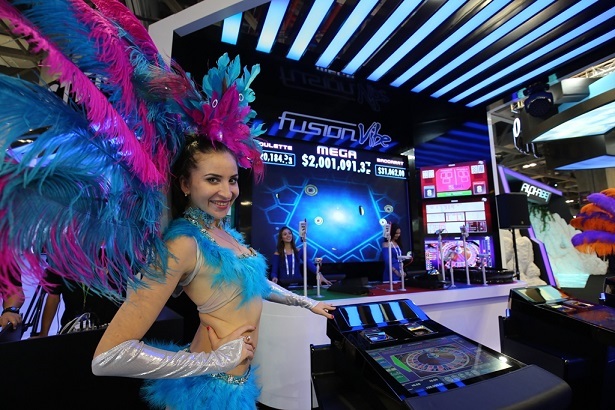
{"x":185,"y":163}
{"x":394,"y":227}
{"x":280,"y":244}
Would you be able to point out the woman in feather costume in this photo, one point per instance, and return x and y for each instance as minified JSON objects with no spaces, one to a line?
{"x":93,"y":173}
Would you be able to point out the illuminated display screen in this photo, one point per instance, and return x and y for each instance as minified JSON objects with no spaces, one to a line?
{"x":451,"y":214}
{"x":454,"y":254}
{"x":341,"y":193}
{"x":374,"y":313}
{"x":454,"y":180}
{"x":435,"y":365}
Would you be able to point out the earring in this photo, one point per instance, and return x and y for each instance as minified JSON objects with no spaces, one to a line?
{"x":186,"y":194}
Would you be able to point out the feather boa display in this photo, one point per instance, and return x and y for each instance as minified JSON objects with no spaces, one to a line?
{"x":597,"y":221}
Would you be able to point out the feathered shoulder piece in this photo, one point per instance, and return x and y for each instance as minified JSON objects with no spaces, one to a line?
{"x":84,"y":173}
{"x":597,"y":221}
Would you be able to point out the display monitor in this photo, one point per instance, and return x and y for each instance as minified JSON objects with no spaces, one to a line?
{"x":440,"y":364}
{"x":477,"y":249}
{"x":454,"y":180}
{"x":451,"y":214}
{"x":371,"y":314}
{"x":342,"y":194}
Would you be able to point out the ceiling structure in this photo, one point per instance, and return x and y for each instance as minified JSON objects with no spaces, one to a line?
{"x":474,"y":53}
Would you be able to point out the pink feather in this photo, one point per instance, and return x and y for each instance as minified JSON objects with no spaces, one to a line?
{"x":99,"y":111}
{"x":124,"y":17}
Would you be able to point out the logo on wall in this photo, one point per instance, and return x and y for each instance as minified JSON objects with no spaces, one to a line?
{"x":335,"y":86}
{"x":518,"y":141}
{"x":309,"y":125}
{"x":536,"y":194}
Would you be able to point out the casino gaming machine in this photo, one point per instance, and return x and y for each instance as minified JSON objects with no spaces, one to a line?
{"x":571,"y":338}
{"x":393,"y":356}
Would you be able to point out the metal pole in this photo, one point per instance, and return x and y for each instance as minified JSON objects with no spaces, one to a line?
{"x":303,"y":234}
{"x":318,"y":262}
{"x":464,"y":235}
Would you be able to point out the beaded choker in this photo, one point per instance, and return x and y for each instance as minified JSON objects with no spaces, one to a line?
{"x":198,"y":215}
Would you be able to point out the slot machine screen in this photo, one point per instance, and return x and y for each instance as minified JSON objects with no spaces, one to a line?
{"x":455,"y":180}
{"x":450,"y":214}
{"x":455,"y":255}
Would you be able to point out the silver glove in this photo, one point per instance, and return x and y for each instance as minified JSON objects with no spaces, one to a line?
{"x":284,"y":296}
{"x":133,"y":358}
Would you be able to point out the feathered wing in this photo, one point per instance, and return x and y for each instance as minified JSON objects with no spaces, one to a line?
{"x":84,"y":182}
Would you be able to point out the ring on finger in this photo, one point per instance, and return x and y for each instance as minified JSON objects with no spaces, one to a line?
{"x":247,"y":339}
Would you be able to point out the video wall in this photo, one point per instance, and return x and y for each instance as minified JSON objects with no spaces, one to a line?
{"x":342,"y":194}
{"x":456,"y":197}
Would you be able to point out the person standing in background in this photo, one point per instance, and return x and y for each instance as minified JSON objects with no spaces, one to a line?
{"x":396,"y":251}
{"x":287,"y":262}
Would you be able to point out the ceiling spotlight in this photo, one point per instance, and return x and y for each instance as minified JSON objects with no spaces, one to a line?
{"x":538,"y":101}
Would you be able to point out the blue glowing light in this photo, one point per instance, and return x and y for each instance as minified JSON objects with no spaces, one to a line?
{"x":561,"y":60}
{"x":517,"y":45}
{"x":315,"y":17}
{"x":230,"y":29}
{"x":272,"y":24}
{"x":473,"y":51}
{"x":419,"y":35}
{"x":398,"y":17}
{"x":356,"y":18}
{"x":603,"y":161}
{"x":485,"y":14}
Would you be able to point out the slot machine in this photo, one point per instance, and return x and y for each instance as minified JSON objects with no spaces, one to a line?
{"x":391,"y":355}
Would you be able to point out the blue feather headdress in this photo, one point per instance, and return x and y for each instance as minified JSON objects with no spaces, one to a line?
{"x":84,"y":181}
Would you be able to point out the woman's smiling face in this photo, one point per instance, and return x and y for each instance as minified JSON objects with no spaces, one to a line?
{"x":213,"y":185}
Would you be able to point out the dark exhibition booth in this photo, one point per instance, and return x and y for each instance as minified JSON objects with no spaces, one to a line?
{"x":348,"y":157}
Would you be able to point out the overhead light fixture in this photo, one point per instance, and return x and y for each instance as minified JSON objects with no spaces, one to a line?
{"x":538,"y":101}
{"x":444,"y":12}
{"x":350,"y":26}
{"x":507,"y":51}
{"x":271,"y":27}
{"x":393,"y":22}
{"x":593,"y":116}
{"x":230,"y":29}
{"x":486,"y":13}
{"x":317,"y":14}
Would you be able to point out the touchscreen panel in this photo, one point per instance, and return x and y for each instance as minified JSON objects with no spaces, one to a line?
{"x":433,"y":365}
{"x":371,"y":314}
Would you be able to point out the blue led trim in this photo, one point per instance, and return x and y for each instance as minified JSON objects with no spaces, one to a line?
{"x":350,"y":26}
{"x":317,"y":13}
{"x":419,"y":35}
{"x":383,"y":33}
{"x":482,"y":16}
{"x":517,"y":45}
{"x":473,"y":51}
{"x":273,"y":21}
{"x":230,"y":29}
{"x":561,"y":60}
